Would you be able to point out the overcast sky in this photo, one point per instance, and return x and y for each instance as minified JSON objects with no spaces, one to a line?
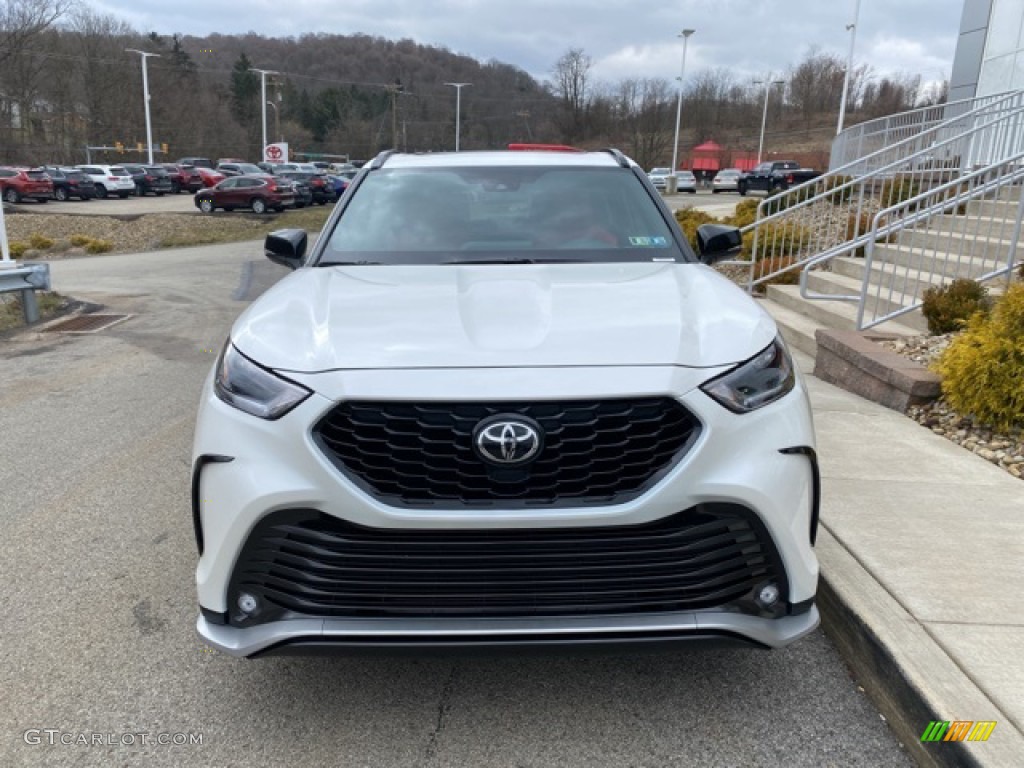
{"x":625,"y":38}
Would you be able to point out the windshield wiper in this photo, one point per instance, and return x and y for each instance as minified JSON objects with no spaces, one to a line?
{"x":349,"y":264}
{"x":516,"y":260}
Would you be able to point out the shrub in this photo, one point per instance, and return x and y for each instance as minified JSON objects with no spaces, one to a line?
{"x":746,"y":213}
{"x":983,"y":368}
{"x":40,"y":242}
{"x":772,"y":264}
{"x":80,"y":241}
{"x":898,"y":189}
{"x":840,"y":196}
{"x":775,"y":240}
{"x":98,"y":246}
{"x":17,"y":248}
{"x":947,"y":308}
{"x":689,"y":219}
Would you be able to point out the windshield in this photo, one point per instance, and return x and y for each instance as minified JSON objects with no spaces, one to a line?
{"x":500,"y":214}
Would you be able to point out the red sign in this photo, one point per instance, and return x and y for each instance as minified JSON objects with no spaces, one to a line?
{"x":274,"y":152}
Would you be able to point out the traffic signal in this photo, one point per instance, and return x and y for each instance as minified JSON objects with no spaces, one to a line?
{"x":163,"y":147}
{"x":119,"y":146}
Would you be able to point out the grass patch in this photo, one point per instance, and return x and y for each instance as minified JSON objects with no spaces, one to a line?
{"x":11,"y":315}
{"x":231,"y":227}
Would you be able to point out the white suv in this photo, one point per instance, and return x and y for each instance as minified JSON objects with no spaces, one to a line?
{"x":502,"y":403}
{"x":110,"y":180}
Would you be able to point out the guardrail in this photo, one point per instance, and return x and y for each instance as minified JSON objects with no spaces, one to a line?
{"x":26,"y":279}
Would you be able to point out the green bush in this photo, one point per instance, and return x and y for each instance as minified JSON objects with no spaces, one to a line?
{"x":781,"y":239}
{"x":40,"y":242}
{"x":689,"y":219}
{"x":948,"y":308}
{"x":746,"y":213}
{"x":80,"y":241}
{"x":17,"y":248}
{"x":98,"y":246}
{"x":898,"y":189}
{"x":983,"y":368}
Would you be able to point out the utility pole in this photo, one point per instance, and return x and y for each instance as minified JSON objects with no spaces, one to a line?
{"x":525,"y":114}
{"x":263,"y":105}
{"x":764,"y":115}
{"x":685,"y":34}
{"x":145,"y":97}
{"x":393,"y":90}
{"x":458,"y":108}
{"x":852,"y":29}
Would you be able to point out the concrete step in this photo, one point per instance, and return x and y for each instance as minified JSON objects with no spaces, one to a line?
{"x":998,"y":209}
{"x":924,"y":261}
{"x":900,"y":279}
{"x":797,"y":329}
{"x":966,"y":248}
{"x":841,"y":315}
{"x":878,"y":301}
{"x":972,"y":225}
{"x":1010,"y":193}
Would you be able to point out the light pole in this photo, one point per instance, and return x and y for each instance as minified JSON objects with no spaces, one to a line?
{"x":764,"y":115}
{"x":277,"y":120}
{"x":852,"y":29}
{"x":458,"y":108}
{"x":145,"y":97}
{"x":685,"y":34}
{"x":263,"y":98}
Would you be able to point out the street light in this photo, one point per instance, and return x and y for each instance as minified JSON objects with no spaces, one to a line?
{"x":263,"y":95}
{"x":764,"y":115}
{"x":277,"y":120}
{"x":685,"y":34}
{"x":145,"y":97}
{"x":852,"y":29}
{"x":458,"y":108}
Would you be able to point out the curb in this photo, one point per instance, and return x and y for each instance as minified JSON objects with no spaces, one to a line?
{"x":907,"y":674}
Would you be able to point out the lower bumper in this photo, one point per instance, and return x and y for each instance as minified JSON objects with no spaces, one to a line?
{"x":462,"y":635}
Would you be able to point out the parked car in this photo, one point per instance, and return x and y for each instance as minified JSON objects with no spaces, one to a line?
{"x":725,"y":180}
{"x":304,"y":167}
{"x":20,"y":184}
{"x":198,"y":162}
{"x":150,"y":179}
{"x":686,"y":182}
{"x":434,"y":433}
{"x":209,"y":176}
{"x":110,"y":180}
{"x":775,"y":176}
{"x":303,"y":191}
{"x":184,"y":178}
{"x":323,"y":190}
{"x":658,"y":177}
{"x":238,"y":168}
{"x":259,"y":193}
{"x":339,"y":183}
{"x":69,"y":183}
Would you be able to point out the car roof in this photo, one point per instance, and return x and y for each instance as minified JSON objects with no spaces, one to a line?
{"x":499,"y":158}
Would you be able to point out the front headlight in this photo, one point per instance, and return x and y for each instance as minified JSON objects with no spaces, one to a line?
{"x":241,"y":383}
{"x":763,"y":379}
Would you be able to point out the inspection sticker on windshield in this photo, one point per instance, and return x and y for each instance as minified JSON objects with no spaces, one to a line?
{"x":649,"y":242}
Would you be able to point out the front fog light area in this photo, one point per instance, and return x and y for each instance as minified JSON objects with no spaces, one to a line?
{"x":241,"y":383}
{"x":763,"y":379}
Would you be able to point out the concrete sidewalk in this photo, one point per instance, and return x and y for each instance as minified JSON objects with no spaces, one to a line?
{"x":922,"y":558}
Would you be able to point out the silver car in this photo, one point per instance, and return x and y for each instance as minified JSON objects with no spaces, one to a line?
{"x":686,"y":182}
{"x":658,"y":177}
{"x":725,"y":180}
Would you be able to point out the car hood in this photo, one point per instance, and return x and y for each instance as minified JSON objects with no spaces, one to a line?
{"x":372,"y":317}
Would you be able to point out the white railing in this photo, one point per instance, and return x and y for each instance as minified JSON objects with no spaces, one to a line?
{"x":846,"y":211}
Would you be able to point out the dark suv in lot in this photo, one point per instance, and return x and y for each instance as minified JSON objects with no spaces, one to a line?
{"x":319,"y":184}
{"x":184,"y":178}
{"x":69,"y":182}
{"x":150,"y":178}
{"x":18,"y":184}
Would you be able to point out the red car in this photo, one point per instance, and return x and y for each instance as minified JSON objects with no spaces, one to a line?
{"x":250,"y":191}
{"x":210,"y":176}
{"x":17,"y":184}
{"x":184,"y":177}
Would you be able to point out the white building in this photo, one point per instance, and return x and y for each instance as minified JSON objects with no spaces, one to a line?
{"x":990,"y":52}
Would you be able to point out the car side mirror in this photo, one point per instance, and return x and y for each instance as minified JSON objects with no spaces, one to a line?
{"x":716,"y":241}
{"x":286,"y":247}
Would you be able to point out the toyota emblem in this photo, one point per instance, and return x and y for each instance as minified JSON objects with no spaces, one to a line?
{"x":507,"y":440}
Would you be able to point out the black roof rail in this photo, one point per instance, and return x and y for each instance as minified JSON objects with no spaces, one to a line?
{"x":381,"y":158}
{"x":619,"y":157}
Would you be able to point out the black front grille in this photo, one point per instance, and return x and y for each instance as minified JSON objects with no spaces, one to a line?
{"x":594,"y":452}
{"x":305,"y":563}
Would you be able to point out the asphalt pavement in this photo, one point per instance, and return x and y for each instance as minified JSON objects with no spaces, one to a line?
{"x":98,"y":631}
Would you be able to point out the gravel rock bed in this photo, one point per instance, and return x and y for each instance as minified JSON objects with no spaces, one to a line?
{"x":1005,"y":450}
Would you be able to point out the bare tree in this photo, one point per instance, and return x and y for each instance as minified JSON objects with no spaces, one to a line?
{"x":571,"y":84}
